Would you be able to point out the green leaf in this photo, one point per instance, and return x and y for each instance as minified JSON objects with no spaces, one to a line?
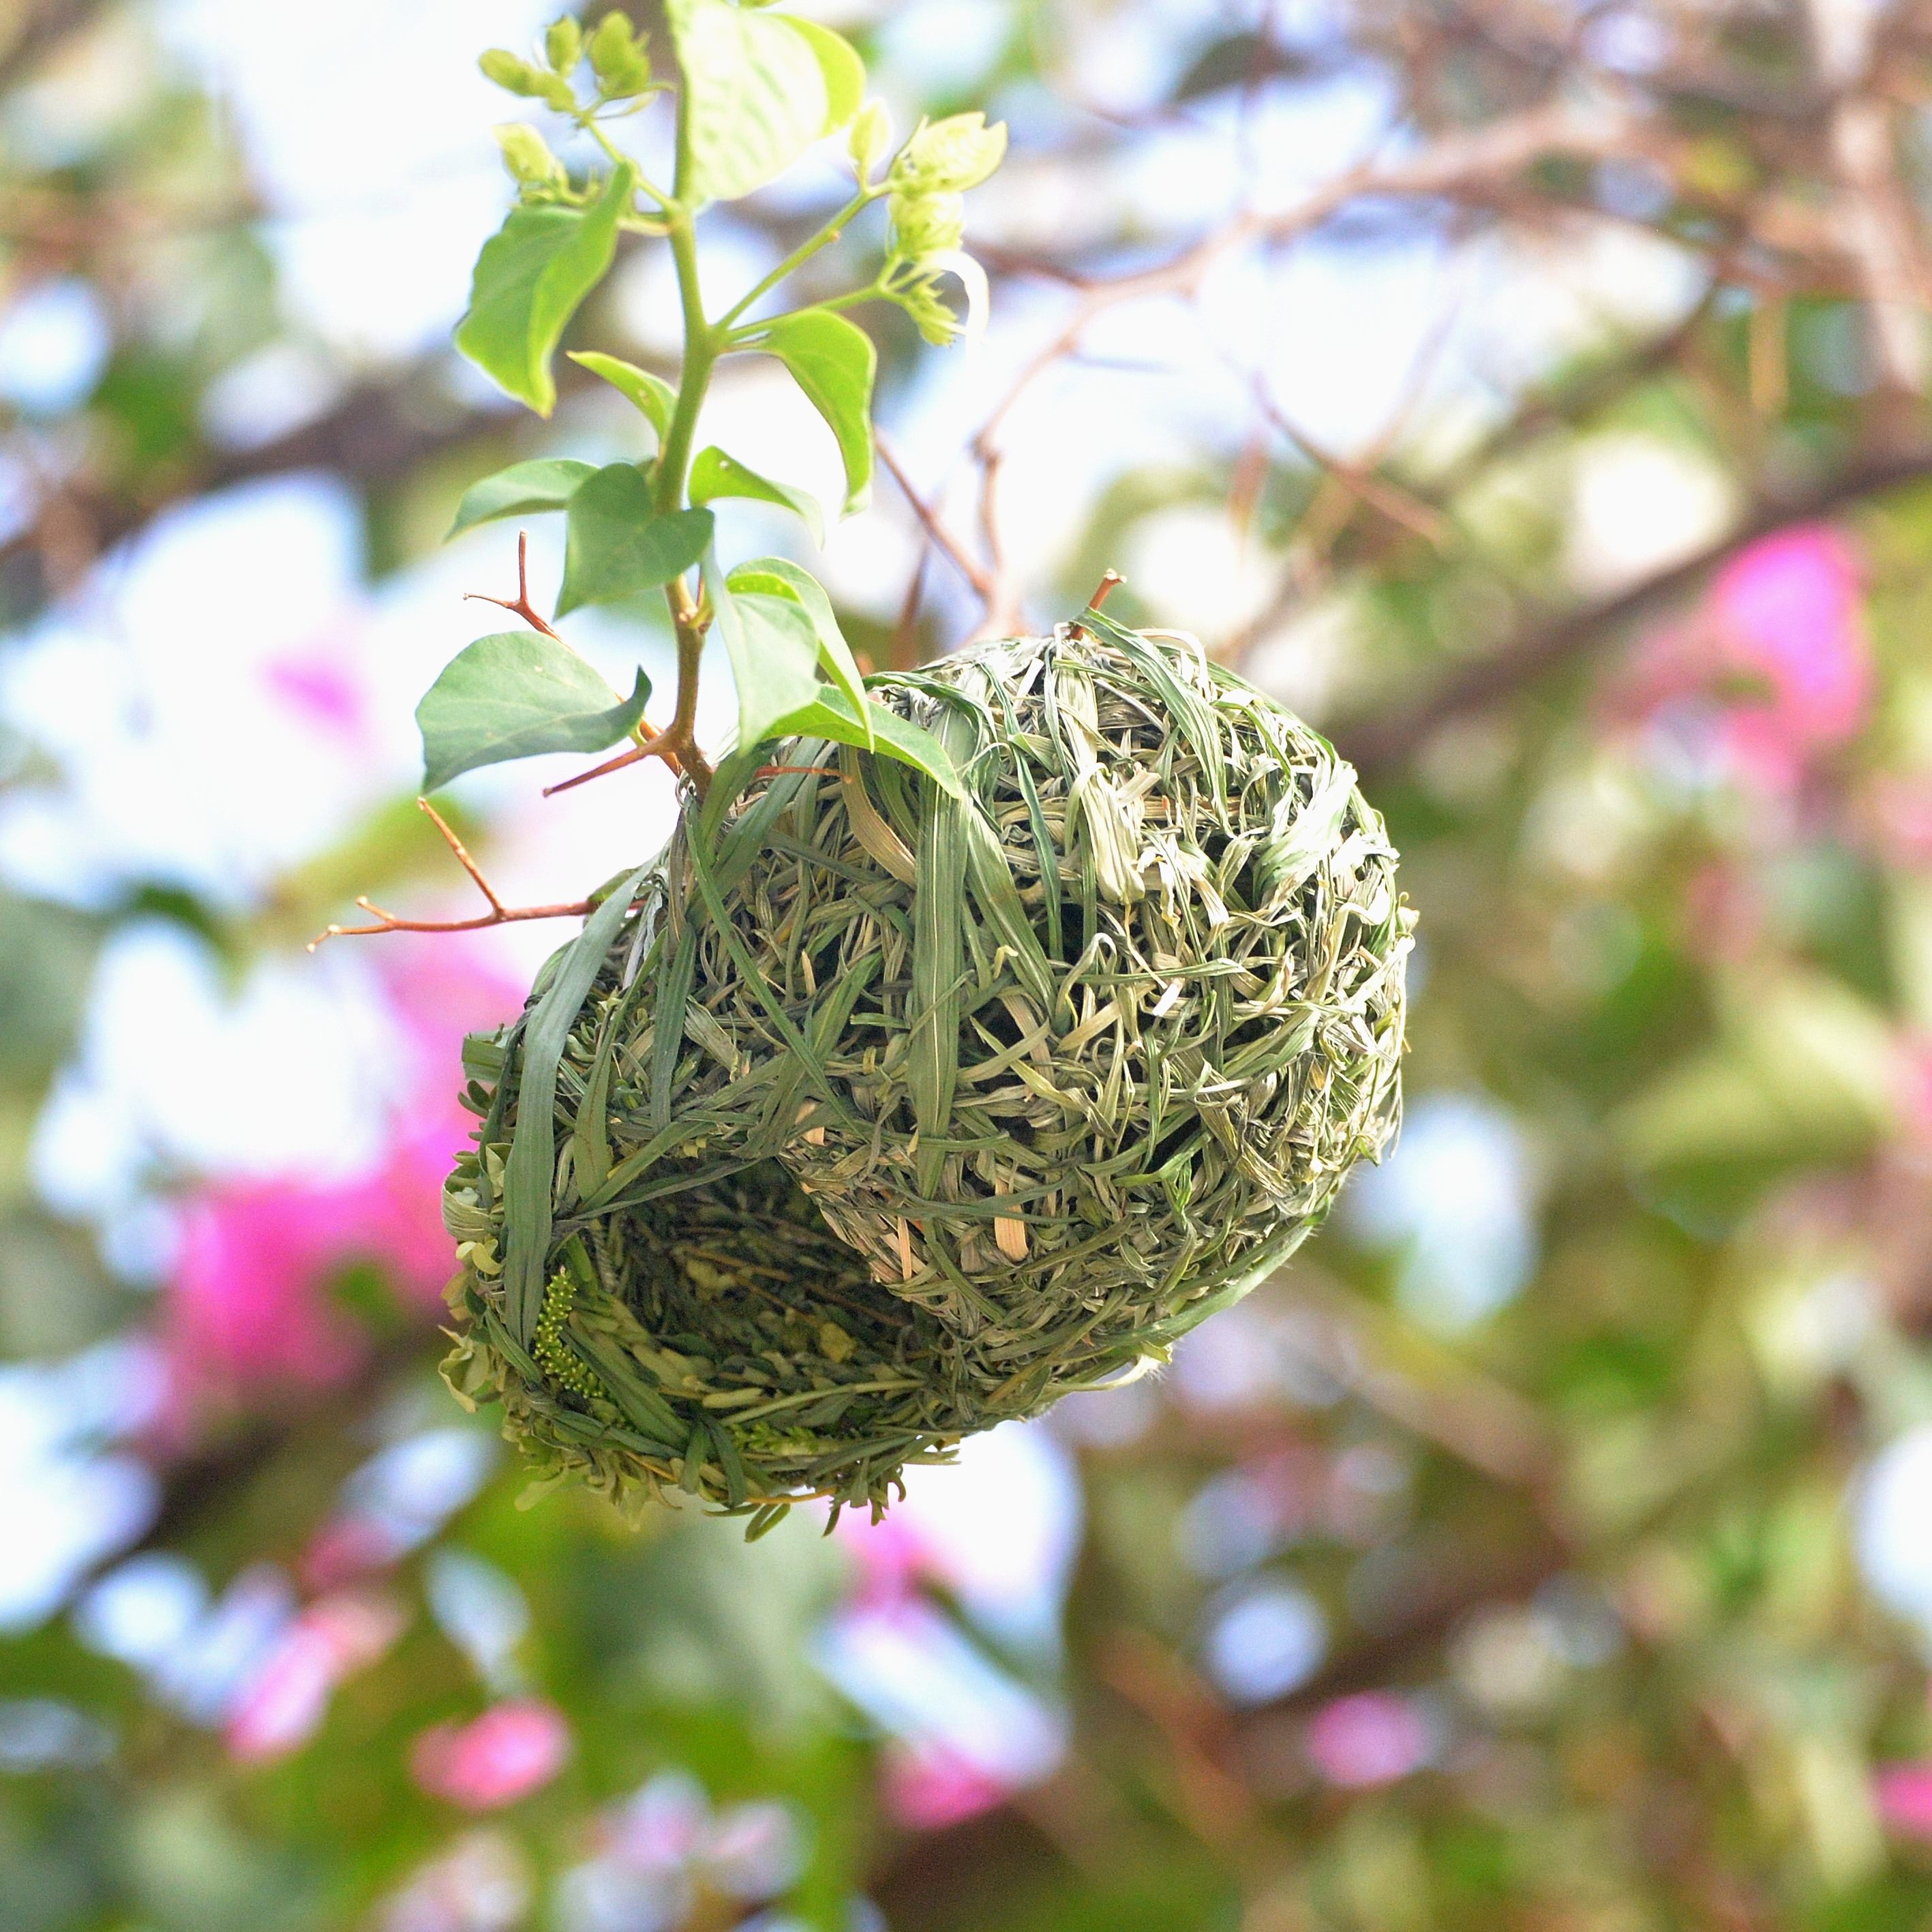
{"x":713,"y":474}
{"x":651,"y":394}
{"x":835,"y":654}
{"x":833,"y":362}
{"x":617,"y":543}
{"x":839,"y":66}
{"x":546,"y":483}
{"x":530,"y":278}
{"x":913,"y":745}
{"x":773,"y":649}
{"x":830,"y":714}
{"x":754,"y":97}
{"x":514,"y":694}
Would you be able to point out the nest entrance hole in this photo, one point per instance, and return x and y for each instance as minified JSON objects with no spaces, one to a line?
{"x":745,"y":1267}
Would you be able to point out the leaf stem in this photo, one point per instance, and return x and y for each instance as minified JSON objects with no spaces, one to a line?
{"x":701,"y":346}
{"x":802,"y":253}
{"x":700,"y":353}
{"x":585,"y":119}
{"x":743,"y":336}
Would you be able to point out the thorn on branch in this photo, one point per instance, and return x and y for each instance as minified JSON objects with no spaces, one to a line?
{"x":657,"y":745}
{"x":520,"y":604}
{"x":463,"y":858}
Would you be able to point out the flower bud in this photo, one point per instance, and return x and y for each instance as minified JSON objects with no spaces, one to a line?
{"x":563,"y":43}
{"x":950,"y":156}
{"x":921,"y":300}
{"x":528,"y":157}
{"x":926,"y":225}
{"x":872,"y":132}
{"x":507,"y":71}
{"x":520,"y":76}
{"x":618,"y":58}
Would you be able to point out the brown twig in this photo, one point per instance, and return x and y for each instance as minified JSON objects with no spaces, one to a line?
{"x":657,"y":746}
{"x":520,"y":604}
{"x":942,"y":538}
{"x":499,"y":914}
{"x":1102,"y":592}
{"x":1540,"y":650}
{"x":1464,"y":167}
{"x":904,"y":650}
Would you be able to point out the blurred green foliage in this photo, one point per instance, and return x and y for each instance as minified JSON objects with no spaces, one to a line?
{"x":1601,"y":1649}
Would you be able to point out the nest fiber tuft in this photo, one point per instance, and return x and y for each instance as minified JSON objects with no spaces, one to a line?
{"x":871,"y":1116}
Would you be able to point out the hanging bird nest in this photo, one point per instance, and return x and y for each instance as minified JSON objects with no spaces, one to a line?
{"x":872,"y":1116}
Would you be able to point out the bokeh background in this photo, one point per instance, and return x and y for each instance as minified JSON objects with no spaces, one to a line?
{"x":1531,"y":392}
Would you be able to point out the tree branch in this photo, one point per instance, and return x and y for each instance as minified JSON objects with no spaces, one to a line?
{"x":1378,"y":745}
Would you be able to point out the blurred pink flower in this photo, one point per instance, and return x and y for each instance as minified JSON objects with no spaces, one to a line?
{"x":346,"y":1546}
{"x":248,"y":1305}
{"x":1901,"y":814}
{"x":891,"y":1557}
{"x":1776,"y":667}
{"x":928,"y":1786}
{"x":1372,"y":1738}
{"x":1904,"y":1792}
{"x":248,"y":1309}
{"x":512,"y":1750}
{"x":319,"y":686}
{"x":281,"y":1708}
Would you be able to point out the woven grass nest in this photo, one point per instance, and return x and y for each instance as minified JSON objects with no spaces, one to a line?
{"x":871,"y":1118}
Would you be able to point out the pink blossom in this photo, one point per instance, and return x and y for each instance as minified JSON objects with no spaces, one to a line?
{"x":250,"y":1308}
{"x":318,"y":686}
{"x":512,"y":1750}
{"x":1775,"y":669}
{"x":1372,"y":1738}
{"x":1792,"y":608}
{"x":281,"y":1708}
{"x":928,"y":1786}
{"x":346,"y":1546}
{"x":891,"y":1556}
{"x":1901,"y":818}
{"x":1904,"y":1793}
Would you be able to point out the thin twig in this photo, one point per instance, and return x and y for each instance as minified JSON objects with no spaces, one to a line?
{"x":463,"y":857}
{"x":499,"y":914}
{"x":942,"y":539}
{"x":657,"y":746}
{"x":1461,"y":166}
{"x":1539,"y":651}
{"x":520,"y":603}
{"x":904,"y":649}
{"x":1103,"y":591}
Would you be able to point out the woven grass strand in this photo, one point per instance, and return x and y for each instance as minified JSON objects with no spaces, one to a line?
{"x":888,"y":1117}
